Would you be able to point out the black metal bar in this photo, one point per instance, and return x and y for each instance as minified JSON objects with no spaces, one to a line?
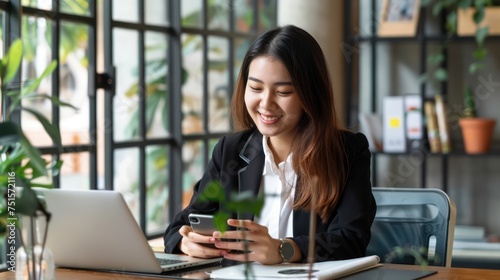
{"x":422,"y":39}
{"x":373,"y":100}
{"x":142,"y":120}
{"x":56,"y":85}
{"x":175,"y":97}
{"x":92,"y":58}
{"x":108,"y":98}
{"x":231,"y":58}
{"x":58,"y":16}
{"x":205,"y":92}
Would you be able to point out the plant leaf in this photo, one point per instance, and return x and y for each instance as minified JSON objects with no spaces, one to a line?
{"x":213,"y":192}
{"x":27,"y":203}
{"x":441,"y":74}
{"x":474,"y":67}
{"x":51,"y":129}
{"x":56,"y":167}
{"x":53,"y":99}
{"x":246,"y":202}
{"x":12,"y":61}
{"x":220,"y":220}
{"x":437,"y":8}
{"x":36,"y":82}
{"x":451,"y":21}
{"x":423,"y":78}
{"x":481,"y":35}
{"x":34,"y":155}
{"x":435,"y":58}
{"x":480,"y":53}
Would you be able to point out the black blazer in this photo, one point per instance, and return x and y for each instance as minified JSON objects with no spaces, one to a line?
{"x":238,"y":161}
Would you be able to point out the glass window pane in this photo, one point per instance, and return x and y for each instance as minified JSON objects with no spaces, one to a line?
{"x":156,"y":12}
{"x":77,"y":7}
{"x":126,"y":10}
{"x":75,"y":171}
{"x":37,"y":55}
{"x":193,"y":168}
{"x":126,"y":177}
{"x":126,"y":100}
{"x":243,"y":15}
{"x":267,"y":14}
{"x":241,"y":46}
{"x":157,"y":188}
{"x":218,"y":14}
{"x":192,"y":88}
{"x":40,"y":4}
{"x":74,"y":77}
{"x":191,"y":13}
{"x":211,"y":146}
{"x":218,"y":84}
{"x":156,"y":85}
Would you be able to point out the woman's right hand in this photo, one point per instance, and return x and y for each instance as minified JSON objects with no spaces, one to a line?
{"x":197,"y":245}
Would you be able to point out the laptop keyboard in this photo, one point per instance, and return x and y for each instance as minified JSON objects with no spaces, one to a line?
{"x":168,"y":261}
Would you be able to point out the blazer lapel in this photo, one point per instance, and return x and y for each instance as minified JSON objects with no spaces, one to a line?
{"x":250,"y":176}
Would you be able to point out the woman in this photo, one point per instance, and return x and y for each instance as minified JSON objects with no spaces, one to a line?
{"x":291,"y":146}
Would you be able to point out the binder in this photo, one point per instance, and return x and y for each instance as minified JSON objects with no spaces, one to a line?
{"x":394,"y":139}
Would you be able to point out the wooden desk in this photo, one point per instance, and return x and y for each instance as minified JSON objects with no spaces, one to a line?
{"x":446,"y":273}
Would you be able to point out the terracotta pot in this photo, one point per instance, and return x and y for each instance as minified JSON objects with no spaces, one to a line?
{"x":477,"y":134}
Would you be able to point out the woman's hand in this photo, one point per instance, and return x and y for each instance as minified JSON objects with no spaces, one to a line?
{"x":261,"y":246}
{"x":196,"y":245}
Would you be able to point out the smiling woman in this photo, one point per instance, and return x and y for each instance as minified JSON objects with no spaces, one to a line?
{"x":288,"y":145}
{"x":273,"y":104}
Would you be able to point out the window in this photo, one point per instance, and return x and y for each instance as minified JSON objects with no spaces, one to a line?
{"x":152,"y":80}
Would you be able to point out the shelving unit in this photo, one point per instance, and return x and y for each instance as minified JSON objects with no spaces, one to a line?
{"x":470,"y":180}
{"x":428,"y":36}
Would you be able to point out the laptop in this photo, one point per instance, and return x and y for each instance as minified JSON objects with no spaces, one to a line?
{"x":94,"y":229}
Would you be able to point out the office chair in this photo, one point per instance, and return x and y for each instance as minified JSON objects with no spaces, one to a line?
{"x":413,"y":226}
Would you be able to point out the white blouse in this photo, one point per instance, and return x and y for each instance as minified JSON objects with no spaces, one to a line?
{"x":278,"y":184}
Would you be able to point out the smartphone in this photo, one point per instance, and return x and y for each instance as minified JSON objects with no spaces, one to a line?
{"x":202,"y":224}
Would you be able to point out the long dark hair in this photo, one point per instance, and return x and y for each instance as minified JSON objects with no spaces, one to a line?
{"x":317,"y":150}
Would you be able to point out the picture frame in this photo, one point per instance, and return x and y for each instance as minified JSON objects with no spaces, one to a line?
{"x":399,"y":18}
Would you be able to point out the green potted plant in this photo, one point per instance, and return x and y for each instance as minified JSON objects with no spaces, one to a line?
{"x":477,"y":132}
{"x":21,"y":164}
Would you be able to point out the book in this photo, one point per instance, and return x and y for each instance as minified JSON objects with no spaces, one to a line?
{"x":371,"y":127}
{"x":442,"y":120}
{"x":321,"y":270}
{"x":394,"y":139}
{"x":432,"y":127}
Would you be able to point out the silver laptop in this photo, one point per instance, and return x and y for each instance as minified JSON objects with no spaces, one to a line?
{"x":96,"y":230}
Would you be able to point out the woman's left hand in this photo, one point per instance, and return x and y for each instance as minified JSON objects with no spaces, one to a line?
{"x":262,"y":247}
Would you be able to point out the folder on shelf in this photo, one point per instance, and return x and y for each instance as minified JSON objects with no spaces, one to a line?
{"x":394,"y":139}
{"x":413,"y":121}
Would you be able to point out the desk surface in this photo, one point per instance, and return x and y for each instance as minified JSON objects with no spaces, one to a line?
{"x":443,"y":273}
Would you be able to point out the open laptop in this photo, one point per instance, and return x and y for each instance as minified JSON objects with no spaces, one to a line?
{"x":95,"y":230}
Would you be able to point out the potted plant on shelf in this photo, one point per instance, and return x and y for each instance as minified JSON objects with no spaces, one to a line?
{"x":477,"y":132}
{"x":21,"y":164}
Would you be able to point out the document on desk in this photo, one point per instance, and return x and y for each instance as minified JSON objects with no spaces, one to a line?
{"x":321,"y":270}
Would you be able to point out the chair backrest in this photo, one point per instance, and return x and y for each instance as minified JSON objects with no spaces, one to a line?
{"x":413,"y":226}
